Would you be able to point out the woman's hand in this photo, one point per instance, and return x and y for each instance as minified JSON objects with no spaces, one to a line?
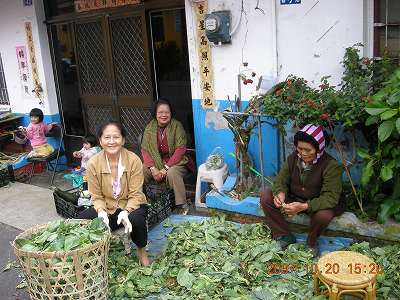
{"x":163,"y":173}
{"x":156,"y":173}
{"x":279,"y":199}
{"x":76,"y":154}
{"x":294,"y":208}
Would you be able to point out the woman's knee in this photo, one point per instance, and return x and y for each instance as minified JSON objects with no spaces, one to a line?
{"x":323,"y":216}
{"x":266,"y":198}
{"x":138,"y":219}
{"x":174,"y":173}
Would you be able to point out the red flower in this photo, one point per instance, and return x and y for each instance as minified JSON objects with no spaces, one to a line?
{"x":289,"y":82}
{"x":366,"y":61}
{"x":278,"y":92}
{"x":324,"y":117}
{"x":324,"y":86}
{"x":385,"y":50}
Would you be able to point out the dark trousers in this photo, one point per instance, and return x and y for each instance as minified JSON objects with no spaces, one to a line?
{"x":279,"y":227}
{"x":136,"y":217}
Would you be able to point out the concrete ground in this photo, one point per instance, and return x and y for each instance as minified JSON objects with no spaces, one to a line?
{"x":21,"y":207}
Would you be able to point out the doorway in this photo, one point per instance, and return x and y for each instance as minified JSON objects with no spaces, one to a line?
{"x":113,"y":66}
{"x":171,"y":67}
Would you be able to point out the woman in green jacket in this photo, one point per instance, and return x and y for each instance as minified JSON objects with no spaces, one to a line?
{"x":310,"y":181}
{"x":164,"y":151}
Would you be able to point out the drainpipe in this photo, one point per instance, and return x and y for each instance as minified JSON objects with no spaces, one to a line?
{"x":274,"y":39}
{"x":280,"y":138}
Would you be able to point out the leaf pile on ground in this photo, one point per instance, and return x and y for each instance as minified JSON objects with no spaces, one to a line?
{"x":212,"y":259}
{"x":64,"y":236}
{"x":388,"y":258}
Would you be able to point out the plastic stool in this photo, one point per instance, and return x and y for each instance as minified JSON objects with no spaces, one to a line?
{"x":217,"y":177}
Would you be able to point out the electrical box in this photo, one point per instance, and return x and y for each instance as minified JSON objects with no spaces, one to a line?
{"x":217,"y":25}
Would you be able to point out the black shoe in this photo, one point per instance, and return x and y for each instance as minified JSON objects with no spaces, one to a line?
{"x":285,"y":240}
{"x":314,"y":250}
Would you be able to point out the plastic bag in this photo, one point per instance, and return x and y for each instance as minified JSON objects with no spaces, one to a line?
{"x":84,"y":199}
{"x":215,"y":159}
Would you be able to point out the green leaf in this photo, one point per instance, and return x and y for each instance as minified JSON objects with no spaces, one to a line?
{"x":71,"y":242}
{"x":389,"y":114}
{"x":363,"y":153}
{"x":387,"y":209}
{"x":385,"y":130}
{"x":371,"y":120}
{"x":367,"y":172}
{"x":386,"y":173}
{"x":394,"y":98}
{"x":184,"y":278}
{"x":375,"y":111}
{"x":379,"y":251}
{"x":398,"y":125}
{"x":264,"y":294}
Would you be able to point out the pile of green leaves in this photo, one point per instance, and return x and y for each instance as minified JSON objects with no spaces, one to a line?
{"x":64,"y":236}
{"x":388,"y":257}
{"x":213,"y":259}
{"x":382,"y":162}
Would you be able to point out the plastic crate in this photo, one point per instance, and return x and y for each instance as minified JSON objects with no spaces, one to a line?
{"x":161,"y":202}
{"x":4,"y":177}
{"x":65,"y":208}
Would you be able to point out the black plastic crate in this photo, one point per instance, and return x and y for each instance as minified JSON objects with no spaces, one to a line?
{"x":4,"y":176}
{"x":66,"y":208}
{"x":161,"y":202}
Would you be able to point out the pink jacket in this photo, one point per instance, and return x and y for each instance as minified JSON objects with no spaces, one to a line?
{"x":36,"y":133}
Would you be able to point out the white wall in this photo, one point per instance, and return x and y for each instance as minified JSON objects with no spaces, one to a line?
{"x":312,"y":40}
{"x":12,"y":33}
{"x":227,"y":59}
{"x":302,"y":47}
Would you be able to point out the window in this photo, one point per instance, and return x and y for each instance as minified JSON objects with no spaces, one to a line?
{"x":387,"y":28}
{"x":3,"y":87}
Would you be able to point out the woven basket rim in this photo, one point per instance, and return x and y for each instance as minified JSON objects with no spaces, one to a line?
{"x":54,"y":254}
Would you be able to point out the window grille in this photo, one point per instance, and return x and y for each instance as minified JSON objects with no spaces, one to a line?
{"x":387,"y":28}
{"x":3,"y":87}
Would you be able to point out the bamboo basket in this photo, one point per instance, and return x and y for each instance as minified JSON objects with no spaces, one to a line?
{"x":76,"y":274}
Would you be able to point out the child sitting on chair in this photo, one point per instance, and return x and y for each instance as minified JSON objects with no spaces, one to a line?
{"x":36,"y":133}
{"x":88,"y":150}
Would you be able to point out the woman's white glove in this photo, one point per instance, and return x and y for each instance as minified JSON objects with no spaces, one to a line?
{"x":104,"y":216}
{"x":123,"y":217}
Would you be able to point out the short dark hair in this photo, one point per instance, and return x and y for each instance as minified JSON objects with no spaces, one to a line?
{"x":159,"y":102}
{"x":37,"y":112}
{"x":90,"y":139}
{"x":114,"y":123}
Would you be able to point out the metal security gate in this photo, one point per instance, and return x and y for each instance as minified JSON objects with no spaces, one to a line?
{"x":114,"y":72}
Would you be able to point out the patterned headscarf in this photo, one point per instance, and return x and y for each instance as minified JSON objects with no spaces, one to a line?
{"x":317,"y":133}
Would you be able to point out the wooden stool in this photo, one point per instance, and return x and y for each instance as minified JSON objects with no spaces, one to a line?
{"x":346,"y":272}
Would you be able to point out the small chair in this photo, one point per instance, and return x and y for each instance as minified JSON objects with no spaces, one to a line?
{"x":346,"y":273}
{"x":217,"y":177}
{"x":56,"y":132}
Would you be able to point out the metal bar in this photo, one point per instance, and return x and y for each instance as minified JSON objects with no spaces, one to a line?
{"x":243,"y":113}
{"x":260,"y":151}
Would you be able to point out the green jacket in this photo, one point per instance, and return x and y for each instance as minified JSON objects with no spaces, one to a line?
{"x":176,"y":137}
{"x":330,"y":182}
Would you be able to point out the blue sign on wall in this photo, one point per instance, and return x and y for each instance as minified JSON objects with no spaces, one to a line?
{"x":284,"y":2}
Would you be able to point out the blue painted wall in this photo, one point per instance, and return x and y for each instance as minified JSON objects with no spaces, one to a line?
{"x":207,"y":138}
